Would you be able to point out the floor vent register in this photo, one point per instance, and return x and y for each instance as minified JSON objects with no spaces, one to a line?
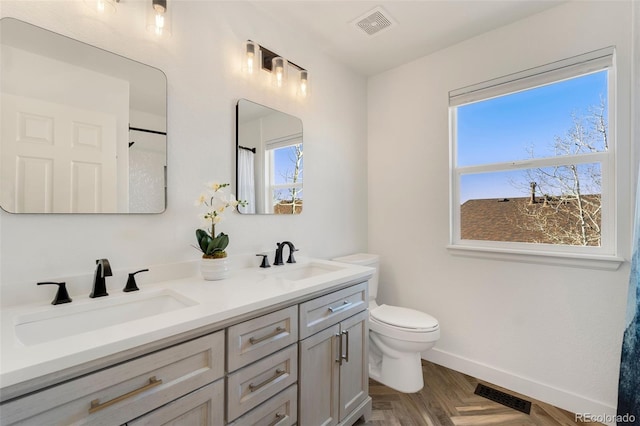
{"x":505,"y":399}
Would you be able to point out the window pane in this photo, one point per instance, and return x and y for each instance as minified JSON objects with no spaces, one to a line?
{"x":287,"y":179}
{"x":551,"y":205}
{"x":568,"y":117}
{"x":288,"y":162}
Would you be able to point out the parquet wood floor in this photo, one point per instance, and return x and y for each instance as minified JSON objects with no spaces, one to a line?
{"x":448,"y":400}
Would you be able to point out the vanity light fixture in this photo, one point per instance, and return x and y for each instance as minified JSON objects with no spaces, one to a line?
{"x":102,"y":6}
{"x":158,"y":18}
{"x":277,"y":65}
{"x":252,"y":57}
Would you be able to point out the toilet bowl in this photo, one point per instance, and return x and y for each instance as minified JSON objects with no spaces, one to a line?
{"x":397,"y":336}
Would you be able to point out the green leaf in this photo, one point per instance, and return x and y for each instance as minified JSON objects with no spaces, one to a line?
{"x":221,"y":241}
{"x":203,"y":240}
{"x":211,"y":248}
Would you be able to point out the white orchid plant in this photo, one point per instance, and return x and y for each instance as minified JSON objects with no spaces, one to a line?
{"x":216,"y":200}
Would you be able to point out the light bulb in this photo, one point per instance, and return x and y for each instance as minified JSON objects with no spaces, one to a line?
{"x":279,"y":71}
{"x":158,"y":19}
{"x":159,"y":22}
{"x":303,"y":88}
{"x":250,"y":63}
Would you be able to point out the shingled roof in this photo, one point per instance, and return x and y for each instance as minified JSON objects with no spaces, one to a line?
{"x":518,"y":219}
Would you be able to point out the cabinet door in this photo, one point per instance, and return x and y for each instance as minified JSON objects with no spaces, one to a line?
{"x":204,"y":407}
{"x":354,"y":374}
{"x":319,"y":378}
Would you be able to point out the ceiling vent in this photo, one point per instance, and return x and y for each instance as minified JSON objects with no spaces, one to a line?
{"x":374,"y":22}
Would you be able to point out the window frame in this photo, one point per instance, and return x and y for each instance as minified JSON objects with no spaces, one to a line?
{"x":604,"y":256}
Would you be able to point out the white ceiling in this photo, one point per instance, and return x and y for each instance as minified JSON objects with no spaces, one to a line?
{"x":421,"y":26}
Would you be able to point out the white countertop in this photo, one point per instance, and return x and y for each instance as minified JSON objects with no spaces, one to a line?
{"x":246,"y":290}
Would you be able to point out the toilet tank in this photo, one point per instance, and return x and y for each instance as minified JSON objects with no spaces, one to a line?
{"x":365,"y":259}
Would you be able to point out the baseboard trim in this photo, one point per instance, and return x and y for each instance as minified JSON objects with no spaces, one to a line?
{"x":560,"y":398}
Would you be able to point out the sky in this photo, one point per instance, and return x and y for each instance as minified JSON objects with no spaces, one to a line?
{"x":285,"y":164}
{"x":502,"y":129}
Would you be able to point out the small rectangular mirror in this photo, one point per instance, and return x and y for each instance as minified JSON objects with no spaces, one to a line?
{"x":269,"y":166}
{"x":83,"y":129}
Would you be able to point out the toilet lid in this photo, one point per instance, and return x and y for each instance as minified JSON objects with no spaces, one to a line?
{"x":404,"y":317}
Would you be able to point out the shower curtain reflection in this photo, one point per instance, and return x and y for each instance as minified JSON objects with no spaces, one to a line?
{"x":246,"y":179}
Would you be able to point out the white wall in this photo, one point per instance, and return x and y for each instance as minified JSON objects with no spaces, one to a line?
{"x":550,"y":332}
{"x":202,"y":64}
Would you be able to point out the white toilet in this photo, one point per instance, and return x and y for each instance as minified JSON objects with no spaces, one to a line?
{"x":397,"y":335}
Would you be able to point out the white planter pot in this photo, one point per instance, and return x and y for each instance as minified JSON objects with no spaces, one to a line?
{"x":214,"y":269}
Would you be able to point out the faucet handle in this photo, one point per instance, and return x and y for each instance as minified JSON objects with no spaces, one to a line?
{"x":265,"y":261}
{"x":131,"y":281}
{"x":62,"y":296}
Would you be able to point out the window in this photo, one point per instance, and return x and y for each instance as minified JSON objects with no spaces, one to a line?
{"x":533,"y":160}
{"x":284,"y":167}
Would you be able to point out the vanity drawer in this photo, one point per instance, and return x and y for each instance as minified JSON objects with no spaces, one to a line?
{"x":254,"y":384}
{"x":202,"y":407}
{"x":126,"y":391}
{"x":281,"y":410}
{"x":330,"y":309}
{"x":254,"y":339}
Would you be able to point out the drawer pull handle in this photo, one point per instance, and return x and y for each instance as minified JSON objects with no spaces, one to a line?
{"x":256,"y":340}
{"x":279,"y":372}
{"x":342,"y":307}
{"x":339,"y":358}
{"x":278,"y":419}
{"x":346,"y":356}
{"x":97,"y":406}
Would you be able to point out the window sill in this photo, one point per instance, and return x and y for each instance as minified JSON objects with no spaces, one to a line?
{"x":590,"y":261}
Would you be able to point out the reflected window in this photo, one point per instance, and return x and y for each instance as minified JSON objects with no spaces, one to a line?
{"x":284,"y":168}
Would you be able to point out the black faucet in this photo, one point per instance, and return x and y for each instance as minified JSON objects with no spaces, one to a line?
{"x":292,"y":248}
{"x":102,"y":270}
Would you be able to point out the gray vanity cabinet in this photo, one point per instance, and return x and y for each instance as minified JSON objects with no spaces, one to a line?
{"x":130,"y":390}
{"x":334,"y":380}
{"x":304,"y":363}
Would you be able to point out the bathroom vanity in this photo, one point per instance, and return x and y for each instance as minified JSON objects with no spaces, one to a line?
{"x":279,"y":346}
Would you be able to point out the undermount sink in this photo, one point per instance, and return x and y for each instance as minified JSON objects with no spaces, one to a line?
{"x":69,"y":320}
{"x":301,"y":272}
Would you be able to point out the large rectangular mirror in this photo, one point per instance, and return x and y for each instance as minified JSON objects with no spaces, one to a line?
{"x":83,"y":129}
{"x":269,"y":160}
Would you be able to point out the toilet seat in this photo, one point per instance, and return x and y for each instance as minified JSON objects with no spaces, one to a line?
{"x":404,"y":318}
{"x":422,"y":328}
